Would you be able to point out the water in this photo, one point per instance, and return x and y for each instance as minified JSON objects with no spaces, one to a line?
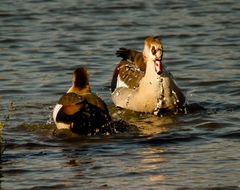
{"x":42,"y":42}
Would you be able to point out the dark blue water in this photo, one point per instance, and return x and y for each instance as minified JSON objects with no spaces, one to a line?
{"x":42,"y":42}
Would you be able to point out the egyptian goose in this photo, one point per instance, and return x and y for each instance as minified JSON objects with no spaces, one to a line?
{"x":141,"y":83}
{"x":79,"y":109}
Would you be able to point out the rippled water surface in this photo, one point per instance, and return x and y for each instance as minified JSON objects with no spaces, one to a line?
{"x":42,"y":42}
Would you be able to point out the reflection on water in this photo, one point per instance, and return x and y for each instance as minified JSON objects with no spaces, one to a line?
{"x":42,"y":42}
{"x":146,"y":123}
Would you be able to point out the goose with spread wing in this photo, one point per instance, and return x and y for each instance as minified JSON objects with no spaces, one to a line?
{"x":141,"y":83}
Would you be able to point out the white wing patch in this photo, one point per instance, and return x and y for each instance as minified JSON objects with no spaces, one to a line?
{"x":59,"y":125}
{"x":120,"y":83}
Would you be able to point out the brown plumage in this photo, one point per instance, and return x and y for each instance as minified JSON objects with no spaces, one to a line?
{"x":134,"y":56}
{"x":129,"y":73}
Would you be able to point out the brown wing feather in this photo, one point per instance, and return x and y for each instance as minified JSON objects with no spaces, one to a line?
{"x":131,"y":69}
{"x":115,"y":76}
{"x":130,"y":74}
{"x":135,"y":56}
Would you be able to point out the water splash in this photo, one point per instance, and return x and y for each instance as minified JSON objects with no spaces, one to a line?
{"x":160,"y":100}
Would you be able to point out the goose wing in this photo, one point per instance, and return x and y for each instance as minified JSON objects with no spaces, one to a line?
{"x":134,"y":56}
{"x":126,"y":74}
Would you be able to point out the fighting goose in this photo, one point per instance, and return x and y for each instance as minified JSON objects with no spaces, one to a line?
{"x":79,"y":109}
{"x":141,"y":83}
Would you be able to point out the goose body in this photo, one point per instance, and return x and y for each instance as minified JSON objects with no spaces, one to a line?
{"x":79,"y":109}
{"x":141,"y":83}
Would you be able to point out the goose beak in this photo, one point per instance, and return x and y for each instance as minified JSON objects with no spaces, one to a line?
{"x":158,"y":66}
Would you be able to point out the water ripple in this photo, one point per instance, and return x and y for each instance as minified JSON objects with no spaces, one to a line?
{"x":42,"y":42}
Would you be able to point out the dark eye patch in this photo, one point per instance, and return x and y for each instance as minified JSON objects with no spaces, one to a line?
{"x":154,"y":51}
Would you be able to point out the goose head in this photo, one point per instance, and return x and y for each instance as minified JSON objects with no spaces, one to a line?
{"x":152,"y":53}
{"x":80,"y":78}
{"x":80,"y":81}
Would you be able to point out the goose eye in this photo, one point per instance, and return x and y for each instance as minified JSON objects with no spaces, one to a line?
{"x":154,"y":51}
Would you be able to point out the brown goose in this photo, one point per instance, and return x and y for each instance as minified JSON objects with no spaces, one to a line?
{"x":141,"y":83}
{"x":79,"y":109}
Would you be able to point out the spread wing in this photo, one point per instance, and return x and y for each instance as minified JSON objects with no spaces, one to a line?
{"x":130,"y":70}
{"x":126,"y":74}
{"x":134,"y":56}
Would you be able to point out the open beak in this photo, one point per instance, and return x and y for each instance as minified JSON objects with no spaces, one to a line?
{"x":158,"y":66}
